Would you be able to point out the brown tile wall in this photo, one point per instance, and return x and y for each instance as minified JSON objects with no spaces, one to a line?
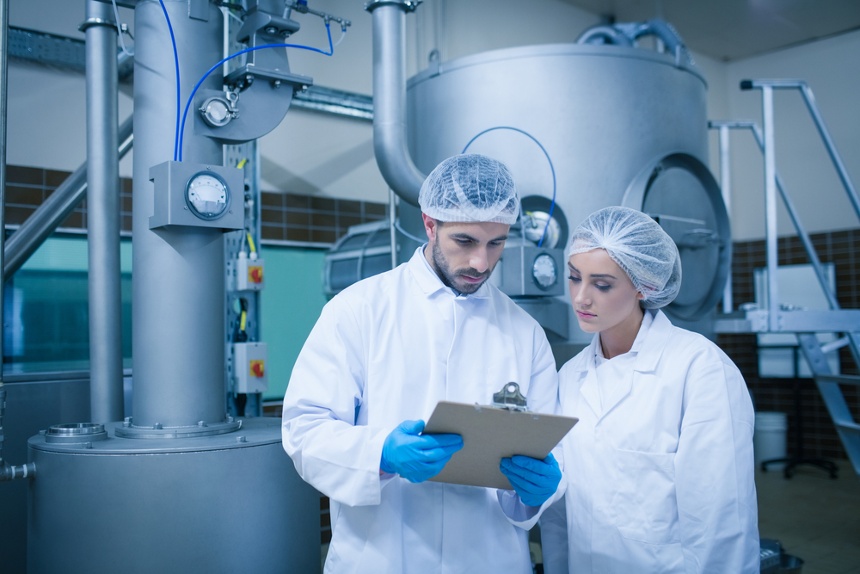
{"x":819,"y":438}
{"x":284,"y":216}
{"x":310,"y":219}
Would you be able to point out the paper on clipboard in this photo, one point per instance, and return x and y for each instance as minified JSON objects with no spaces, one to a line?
{"x":490,"y":434}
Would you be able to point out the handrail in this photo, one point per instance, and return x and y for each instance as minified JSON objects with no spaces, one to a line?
{"x":773,"y":184}
{"x":809,"y":99}
{"x":53,"y":211}
{"x":832,"y":302}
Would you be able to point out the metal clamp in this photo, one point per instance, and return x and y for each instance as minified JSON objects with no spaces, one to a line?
{"x":510,"y":398}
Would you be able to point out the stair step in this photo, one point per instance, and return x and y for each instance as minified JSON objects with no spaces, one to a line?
{"x":840,"y":379}
{"x":851,"y":427}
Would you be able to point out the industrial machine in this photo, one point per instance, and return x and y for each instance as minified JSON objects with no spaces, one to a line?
{"x":187,"y":482}
{"x":192,"y":481}
{"x":607,"y":120}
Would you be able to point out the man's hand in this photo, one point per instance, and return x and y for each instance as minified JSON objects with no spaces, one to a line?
{"x":535,"y":481}
{"x":417,"y":457}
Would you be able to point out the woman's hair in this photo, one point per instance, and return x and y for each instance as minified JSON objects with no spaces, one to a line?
{"x":639,"y":246}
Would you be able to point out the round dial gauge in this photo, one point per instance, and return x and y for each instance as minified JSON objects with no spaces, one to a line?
{"x":207,"y":196}
{"x":544,"y":271}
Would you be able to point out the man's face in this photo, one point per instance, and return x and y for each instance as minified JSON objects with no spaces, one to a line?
{"x":464,"y":254}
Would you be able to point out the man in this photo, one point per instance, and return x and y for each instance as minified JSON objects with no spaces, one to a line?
{"x":383,"y":353}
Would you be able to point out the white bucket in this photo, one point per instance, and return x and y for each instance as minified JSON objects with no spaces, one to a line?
{"x":769,"y":438}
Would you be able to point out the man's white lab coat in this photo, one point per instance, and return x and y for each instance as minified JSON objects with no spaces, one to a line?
{"x":385,"y":350}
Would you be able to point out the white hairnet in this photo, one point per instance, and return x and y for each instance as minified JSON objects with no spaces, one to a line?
{"x":470,"y":188}
{"x":639,"y":246}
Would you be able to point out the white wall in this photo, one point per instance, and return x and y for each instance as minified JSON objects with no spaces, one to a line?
{"x":320,"y":154}
{"x":46,"y":116}
{"x":337,"y":158}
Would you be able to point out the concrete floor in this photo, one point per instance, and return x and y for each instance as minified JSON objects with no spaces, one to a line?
{"x":813,"y":516}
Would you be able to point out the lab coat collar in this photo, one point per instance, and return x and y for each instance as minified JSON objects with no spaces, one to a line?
{"x":651,"y":347}
{"x":648,"y":346}
{"x":429,"y":281}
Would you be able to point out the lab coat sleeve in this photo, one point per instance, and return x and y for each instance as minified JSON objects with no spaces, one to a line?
{"x":523,"y":515}
{"x":330,"y":452}
{"x":553,"y":538}
{"x":714,"y":469}
{"x":543,"y":398}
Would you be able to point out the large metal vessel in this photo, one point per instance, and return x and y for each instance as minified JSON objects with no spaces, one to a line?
{"x":582,"y":127}
{"x":230,"y":503}
{"x":181,"y":485}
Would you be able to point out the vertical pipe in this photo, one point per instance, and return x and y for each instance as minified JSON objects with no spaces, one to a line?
{"x":770,"y":208}
{"x":179,"y":333}
{"x":726,"y":185}
{"x":389,"y":98}
{"x":103,"y":217}
{"x":4,"y":36}
{"x":4,"y":57}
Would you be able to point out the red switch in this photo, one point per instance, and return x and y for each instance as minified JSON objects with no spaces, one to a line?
{"x":257,"y":368}
{"x":255,"y":273}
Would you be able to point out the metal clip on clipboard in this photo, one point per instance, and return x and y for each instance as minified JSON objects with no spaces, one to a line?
{"x":510,"y":398}
{"x":493,"y":432}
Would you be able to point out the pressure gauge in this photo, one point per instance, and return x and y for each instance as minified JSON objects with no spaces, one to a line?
{"x":207,"y":195}
{"x":544,"y":271}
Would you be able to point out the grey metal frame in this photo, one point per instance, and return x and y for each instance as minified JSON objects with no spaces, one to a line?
{"x":804,"y":324}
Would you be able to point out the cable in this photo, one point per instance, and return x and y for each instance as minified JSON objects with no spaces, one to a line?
{"x":119,"y":30}
{"x":240,"y":335}
{"x":551,"y":167}
{"x":178,"y":84}
{"x":342,"y":36}
{"x":180,"y":130}
{"x":251,"y":246}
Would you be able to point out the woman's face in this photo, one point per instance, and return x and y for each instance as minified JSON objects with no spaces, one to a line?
{"x":602,"y":295}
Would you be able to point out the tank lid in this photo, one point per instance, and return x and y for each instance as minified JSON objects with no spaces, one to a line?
{"x":75,"y":433}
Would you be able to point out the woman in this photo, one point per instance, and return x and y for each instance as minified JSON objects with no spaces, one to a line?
{"x":660,"y":466}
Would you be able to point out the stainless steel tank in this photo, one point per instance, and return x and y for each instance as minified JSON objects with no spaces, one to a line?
{"x":229,"y":503}
{"x":587,"y":126}
{"x":180,"y":486}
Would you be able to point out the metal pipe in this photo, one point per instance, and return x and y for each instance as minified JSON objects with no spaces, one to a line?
{"x":3,"y":464}
{"x":726,"y":186}
{"x":54,"y":210}
{"x":770,"y":208}
{"x":4,"y":99}
{"x":103,"y":215}
{"x":389,"y":98}
{"x":178,"y":319}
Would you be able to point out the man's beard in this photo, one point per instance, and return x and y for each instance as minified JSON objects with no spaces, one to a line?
{"x":451,"y":278}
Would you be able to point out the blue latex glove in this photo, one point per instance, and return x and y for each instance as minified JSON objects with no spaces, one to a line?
{"x":535,"y":481}
{"x":414,"y":456}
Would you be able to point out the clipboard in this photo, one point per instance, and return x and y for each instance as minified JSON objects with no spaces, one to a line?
{"x":490,"y":434}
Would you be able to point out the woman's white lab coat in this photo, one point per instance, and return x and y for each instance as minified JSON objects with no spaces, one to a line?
{"x":660,"y":466}
{"x":387,"y":349}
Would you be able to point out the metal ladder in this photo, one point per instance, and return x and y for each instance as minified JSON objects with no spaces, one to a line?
{"x":845,"y":323}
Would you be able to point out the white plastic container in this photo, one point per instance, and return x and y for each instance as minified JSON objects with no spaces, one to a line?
{"x":769,"y":439}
